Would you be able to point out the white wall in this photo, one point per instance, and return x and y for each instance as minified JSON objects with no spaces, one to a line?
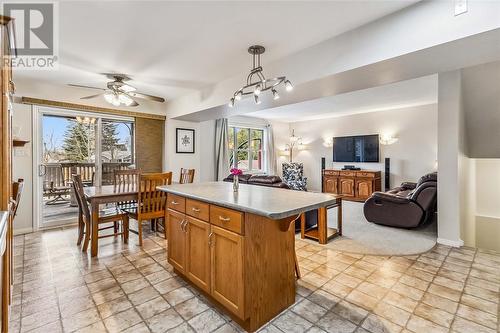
{"x":201,"y":160}
{"x":22,"y":167}
{"x":452,"y":159}
{"x":412,"y":156}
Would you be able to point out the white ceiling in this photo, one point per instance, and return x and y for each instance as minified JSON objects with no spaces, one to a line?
{"x":171,"y":48}
{"x":420,"y":91}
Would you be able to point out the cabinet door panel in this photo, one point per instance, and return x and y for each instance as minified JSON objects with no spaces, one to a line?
{"x":176,"y":240}
{"x":346,"y":186}
{"x":198,"y":253}
{"x":330,"y":184}
{"x":364,"y":188}
{"x":227,"y":269}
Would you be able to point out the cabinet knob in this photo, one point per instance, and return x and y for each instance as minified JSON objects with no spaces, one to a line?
{"x":210,"y":239}
{"x":174,"y":202}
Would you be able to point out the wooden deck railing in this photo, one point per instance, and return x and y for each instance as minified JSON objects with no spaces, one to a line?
{"x":60,"y":173}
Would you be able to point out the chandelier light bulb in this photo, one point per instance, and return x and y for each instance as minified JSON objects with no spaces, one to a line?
{"x":288,"y":86}
{"x":257,"y":90}
{"x":275,"y":94}
{"x":125,"y":99}
{"x":231,"y":102}
{"x":108,"y":96}
{"x":238,"y":96}
{"x":257,"y":100}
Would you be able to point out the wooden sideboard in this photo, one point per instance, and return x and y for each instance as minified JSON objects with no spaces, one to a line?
{"x":354,"y":185}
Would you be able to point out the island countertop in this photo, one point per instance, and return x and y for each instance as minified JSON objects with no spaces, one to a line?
{"x":274,"y":203}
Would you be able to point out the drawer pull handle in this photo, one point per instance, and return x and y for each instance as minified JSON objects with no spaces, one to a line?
{"x":174,"y":202}
{"x":196,"y":210}
{"x":224,"y":219}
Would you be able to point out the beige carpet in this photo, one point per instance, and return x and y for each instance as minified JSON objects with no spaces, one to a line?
{"x":361,"y":236}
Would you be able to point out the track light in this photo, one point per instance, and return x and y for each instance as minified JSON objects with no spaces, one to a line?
{"x":256,"y":82}
{"x":238,"y":96}
{"x":256,"y":98}
{"x":231,"y":102}
{"x":275,"y":94}
{"x":257,"y":90}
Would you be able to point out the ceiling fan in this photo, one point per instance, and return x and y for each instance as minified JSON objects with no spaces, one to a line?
{"x":118,"y":92}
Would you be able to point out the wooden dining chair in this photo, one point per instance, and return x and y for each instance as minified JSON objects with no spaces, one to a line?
{"x":151,"y":203}
{"x":17,"y":190}
{"x":125,"y":180}
{"x":187,"y":176}
{"x":105,"y":216}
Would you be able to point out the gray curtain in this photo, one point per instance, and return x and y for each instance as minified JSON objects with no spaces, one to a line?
{"x":271,"y":165}
{"x":221,"y":149}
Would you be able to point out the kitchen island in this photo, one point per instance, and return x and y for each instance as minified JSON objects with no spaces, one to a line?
{"x":238,"y":248}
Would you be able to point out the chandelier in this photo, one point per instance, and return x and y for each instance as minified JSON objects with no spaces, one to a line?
{"x":256,"y":81}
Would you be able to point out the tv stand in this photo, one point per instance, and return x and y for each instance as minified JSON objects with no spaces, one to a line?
{"x":352,"y":185}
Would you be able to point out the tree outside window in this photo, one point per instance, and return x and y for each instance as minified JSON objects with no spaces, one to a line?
{"x":246,"y":148}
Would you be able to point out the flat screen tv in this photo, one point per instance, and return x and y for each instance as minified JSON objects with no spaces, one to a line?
{"x":361,"y":148}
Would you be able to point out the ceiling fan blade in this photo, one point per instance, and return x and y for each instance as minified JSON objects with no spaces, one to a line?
{"x":82,"y":86}
{"x":134,"y":104}
{"x":91,"y":96}
{"x":145,"y":96}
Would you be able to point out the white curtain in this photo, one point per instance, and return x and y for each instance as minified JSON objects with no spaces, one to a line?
{"x":221,"y":149}
{"x":270,"y":163}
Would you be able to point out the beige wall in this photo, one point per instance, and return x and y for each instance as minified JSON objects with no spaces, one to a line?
{"x":412,"y":156}
{"x":486,"y":221}
{"x":22,"y":167}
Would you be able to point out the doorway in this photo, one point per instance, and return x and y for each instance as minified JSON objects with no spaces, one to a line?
{"x":73,"y":142}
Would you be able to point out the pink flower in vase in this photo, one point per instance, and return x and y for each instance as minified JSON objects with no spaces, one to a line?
{"x":236,"y":172}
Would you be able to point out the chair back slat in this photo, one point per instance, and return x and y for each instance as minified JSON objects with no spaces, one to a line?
{"x":152,"y":201}
{"x":80,"y":196}
{"x":187,"y":176}
{"x":125,"y":181}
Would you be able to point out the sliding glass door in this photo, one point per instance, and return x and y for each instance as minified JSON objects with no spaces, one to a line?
{"x":71,"y":142}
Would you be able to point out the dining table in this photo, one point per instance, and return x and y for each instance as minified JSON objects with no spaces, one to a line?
{"x":105,"y":194}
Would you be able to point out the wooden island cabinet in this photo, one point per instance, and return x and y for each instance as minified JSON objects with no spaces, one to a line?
{"x":354,"y":185}
{"x":239,"y":256}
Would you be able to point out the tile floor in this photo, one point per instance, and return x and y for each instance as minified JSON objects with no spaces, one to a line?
{"x":127,"y":289}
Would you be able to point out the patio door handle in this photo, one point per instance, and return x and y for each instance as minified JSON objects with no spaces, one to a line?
{"x":42,"y":170}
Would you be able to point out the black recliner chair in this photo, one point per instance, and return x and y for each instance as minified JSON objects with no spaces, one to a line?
{"x":406,"y":206}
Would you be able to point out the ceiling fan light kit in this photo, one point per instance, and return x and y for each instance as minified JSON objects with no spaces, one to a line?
{"x":257,"y":82}
{"x":119,"y":93}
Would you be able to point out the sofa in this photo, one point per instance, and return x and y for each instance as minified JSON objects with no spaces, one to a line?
{"x":406,"y":206}
{"x":274,"y":181}
{"x":261,"y":180}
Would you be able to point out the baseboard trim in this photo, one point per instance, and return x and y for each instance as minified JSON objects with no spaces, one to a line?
{"x":448,"y":242}
{"x":22,"y":231}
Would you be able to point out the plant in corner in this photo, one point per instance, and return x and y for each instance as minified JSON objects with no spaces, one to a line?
{"x":236,"y":172}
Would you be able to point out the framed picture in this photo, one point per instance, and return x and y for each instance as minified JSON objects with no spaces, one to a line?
{"x":184,"y":140}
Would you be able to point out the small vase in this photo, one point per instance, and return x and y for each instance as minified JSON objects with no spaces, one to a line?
{"x":236,"y":183}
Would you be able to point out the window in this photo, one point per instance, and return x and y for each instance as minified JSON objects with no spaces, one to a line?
{"x":246,"y":148}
